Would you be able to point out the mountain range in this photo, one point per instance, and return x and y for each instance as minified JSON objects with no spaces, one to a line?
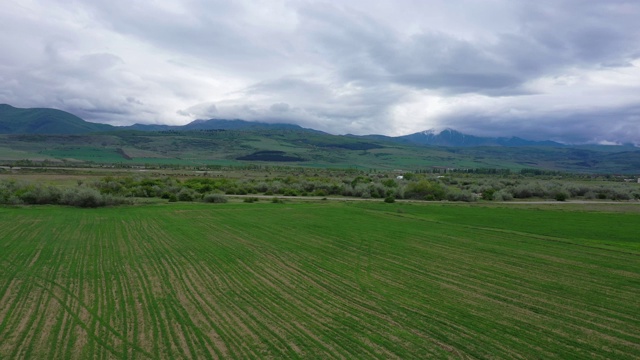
{"x":57,"y":136}
{"x":454,"y":138}
{"x":56,"y":122}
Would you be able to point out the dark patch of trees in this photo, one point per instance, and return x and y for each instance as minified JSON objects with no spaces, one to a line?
{"x":275,"y":156}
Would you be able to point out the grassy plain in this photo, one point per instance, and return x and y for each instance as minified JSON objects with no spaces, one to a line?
{"x":319,"y":280}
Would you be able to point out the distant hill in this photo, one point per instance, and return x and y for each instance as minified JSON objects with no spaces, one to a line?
{"x":57,"y":122}
{"x":216,"y":124}
{"x":44,"y":121}
{"x":27,"y":134}
{"x":453,"y":138}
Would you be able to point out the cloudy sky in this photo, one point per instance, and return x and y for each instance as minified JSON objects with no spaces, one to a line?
{"x":567,"y":70}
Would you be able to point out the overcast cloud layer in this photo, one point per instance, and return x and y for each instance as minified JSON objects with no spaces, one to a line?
{"x":566,"y":70}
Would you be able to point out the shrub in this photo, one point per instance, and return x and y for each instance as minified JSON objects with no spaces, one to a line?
{"x":425,"y":190}
{"x":166,"y":195}
{"x":185,"y":195}
{"x":320,"y":192}
{"x":524,"y":191}
{"x":41,"y":195}
{"x":82,"y":198}
{"x":488,"y":194}
{"x":250,"y":199}
{"x":561,"y":196}
{"x":290,"y":192}
{"x":619,"y":194}
{"x":14,"y":200}
{"x":377,"y":190}
{"x":261,"y":187}
{"x":461,"y":195}
{"x":215,"y":198}
{"x":390,"y":199}
{"x":502,"y":195}
{"x":390,"y":183}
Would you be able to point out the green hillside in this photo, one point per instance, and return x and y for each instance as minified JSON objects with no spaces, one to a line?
{"x":54,"y":135}
{"x":44,"y":121}
{"x":300,"y":148}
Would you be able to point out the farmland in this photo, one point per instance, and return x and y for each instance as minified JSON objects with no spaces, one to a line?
{"x":319,"y":280}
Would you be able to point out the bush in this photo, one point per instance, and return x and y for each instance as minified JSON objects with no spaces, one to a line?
{"x":620,"y":195}
{"x":366,"y":194}
{"x":390,"y":183}
{"x":425,"y":190}
{"x":377,"y":191}
{"x":320,"y":192}
{"x":82,"y":197}
{"x":460,"y":195}
{"x":290,"y":192}
{"x":502,"y":195}
{"x":215,"y":198}
{"x":488,"y":194}
{"x":89,"y":198}
{"x":528,"y":190}
{"x":167,"y":195}
{"x":390,"y":199}
{"x":251,"y":199}
{"x":185,"y":195}
{"x":41,"y":195}
{"x":561,"y":196}
{"x":14,"y":200}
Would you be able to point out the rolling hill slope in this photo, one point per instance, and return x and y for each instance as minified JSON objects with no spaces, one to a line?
{"x":44,"y":121}
{"x":53,"y":134}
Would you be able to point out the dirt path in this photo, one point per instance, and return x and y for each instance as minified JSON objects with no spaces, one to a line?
{"x":537,"y":202}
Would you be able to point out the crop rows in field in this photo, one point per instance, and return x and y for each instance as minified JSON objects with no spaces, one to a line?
{"x":310,"y":281}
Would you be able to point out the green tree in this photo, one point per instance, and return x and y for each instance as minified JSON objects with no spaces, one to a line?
{"x":425,"y":190}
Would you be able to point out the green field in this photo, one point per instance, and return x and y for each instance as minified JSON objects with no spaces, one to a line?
{"x":319,"y":280}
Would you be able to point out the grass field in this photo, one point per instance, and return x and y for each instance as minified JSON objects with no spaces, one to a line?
{"x":318,"y":280}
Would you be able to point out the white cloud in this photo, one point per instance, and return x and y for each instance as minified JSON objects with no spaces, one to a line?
{"x":566,"y":69}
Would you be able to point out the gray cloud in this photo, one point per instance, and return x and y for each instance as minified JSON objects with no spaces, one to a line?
{"x":567,"y":70}
{"x":576,"y":127}
{"x":280,"y":107}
